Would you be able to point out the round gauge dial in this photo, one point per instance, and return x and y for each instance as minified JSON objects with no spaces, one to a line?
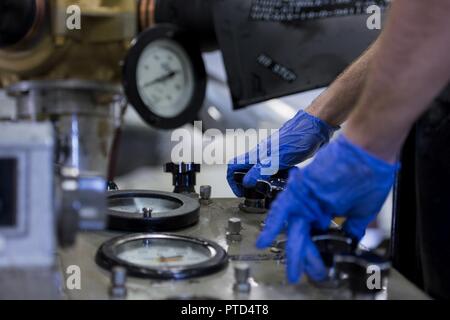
{"x":143,"y":210}
{"x":163,"y":253}
{"x":162,"y":256}
{"x":138,"y":204}
{"x":164,"y":77}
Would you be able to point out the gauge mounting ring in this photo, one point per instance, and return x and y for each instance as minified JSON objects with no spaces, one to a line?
{"x":108,"y":257}
{"x":189,"y":44}
{"x":181,"y":212}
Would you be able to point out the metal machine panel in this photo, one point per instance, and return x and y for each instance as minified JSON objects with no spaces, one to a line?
{"x":267,"y":268}
{"x":26,"y":195}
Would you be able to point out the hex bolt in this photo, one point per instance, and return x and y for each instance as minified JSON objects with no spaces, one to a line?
{"x":234,"y":225}
{"x":112,"y":186}
{"x":205,"y":192}
{"x":262,"y":225}
{"x":147,"y":212}
{"x":242,"y":276}
{"x":118,"y":287}
{"x":118,"y":276}
{"x":241,"y":272}
{"x":234,"y":229}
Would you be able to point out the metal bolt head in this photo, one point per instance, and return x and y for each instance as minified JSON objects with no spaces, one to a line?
{"x":241,"y":272}
{"x":233,"y":237}
{"x":262,"y":225}
{"x":234,"y":229}
{"x":242,"y":275}
{"x":118,"y":292}
{"x":118,"y":276}
{"x":234,"y":225}
{"x":205,"y":192}
{"x":147,"y":212}
{"x":118,"y":287}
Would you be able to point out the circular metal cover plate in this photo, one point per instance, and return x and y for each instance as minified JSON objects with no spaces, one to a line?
{"x":167,"y":211}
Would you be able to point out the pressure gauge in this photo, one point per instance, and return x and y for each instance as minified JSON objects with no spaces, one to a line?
{"x":144,"y":211}
{"x":162,"y":256}
{"x":164,"y":77}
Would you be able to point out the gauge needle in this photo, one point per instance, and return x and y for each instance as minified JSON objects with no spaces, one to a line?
{"x":163,"y":78}
{"x":170,"y":259}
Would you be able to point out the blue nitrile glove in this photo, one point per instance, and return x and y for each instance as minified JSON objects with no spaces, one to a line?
{"x":342,"y":181}
{"x":299,"y":139}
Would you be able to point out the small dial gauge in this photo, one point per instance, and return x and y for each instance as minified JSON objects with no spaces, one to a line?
{"x":164,"y":77}
{"x":162,"y":256}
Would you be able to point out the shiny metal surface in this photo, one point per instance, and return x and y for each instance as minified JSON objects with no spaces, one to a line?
{"x":142,"y":205}
{"x":145,"y":210}
{"x":84,"y":114}
{"x":267,"y":276}
{"x":24,"y":239}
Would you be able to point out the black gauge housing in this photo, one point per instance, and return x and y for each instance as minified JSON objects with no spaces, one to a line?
{"x":107,"y":257}
{"x":184,"y":213}
{"x":189,"y":44}
{"x":16,"y":20}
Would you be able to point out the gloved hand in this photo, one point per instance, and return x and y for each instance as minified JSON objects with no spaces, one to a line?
{"x":342,"y":181}
{"x":299,"y":139}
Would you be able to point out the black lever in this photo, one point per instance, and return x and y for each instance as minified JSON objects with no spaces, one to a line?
{"x":254,"y":200}
{"x":350,"y":265}
{"x":260,"y":197}
{"x":367,"y":272}
{"x":250,"y":193}
{"x":111,"y":186}
{"x":331,"y":243}
{"x":271,"y":188}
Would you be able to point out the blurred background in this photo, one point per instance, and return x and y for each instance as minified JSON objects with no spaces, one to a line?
{"x":144,"y":150}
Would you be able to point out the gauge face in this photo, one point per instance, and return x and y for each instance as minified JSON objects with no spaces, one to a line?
{"x":145,"y":210}
{"x":165,"y":78}
{"x":140,"y":204}
{"x":164,"y":253}
{"x":162,"y":256}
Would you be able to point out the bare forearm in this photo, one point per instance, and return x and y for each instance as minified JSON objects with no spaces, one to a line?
{"x":409,"y":68}
{"x":336,"y":103}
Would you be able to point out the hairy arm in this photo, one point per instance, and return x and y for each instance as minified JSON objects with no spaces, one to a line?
{"x":409,"y":67}
{"x":336,"y":103}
